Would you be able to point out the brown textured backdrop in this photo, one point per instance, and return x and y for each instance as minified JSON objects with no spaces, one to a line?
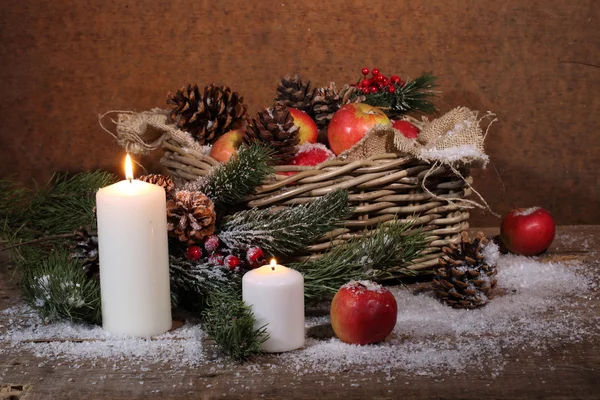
{"x":534,"y":63}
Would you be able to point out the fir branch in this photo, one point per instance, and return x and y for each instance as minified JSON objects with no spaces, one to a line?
{"x":414,"y":96}
{"x":237,"y":178}
{"x":230,"y":323}
{"x":363,"y":258}
{"x":197,"y":278}
{"x":57,"y":288}
{"x":68,"y":202}
{"x":286,"y":231}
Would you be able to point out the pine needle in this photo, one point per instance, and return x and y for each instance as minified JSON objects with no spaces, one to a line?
{"x":361,"y":258}
{"x":230,"y":323}
{"x":289,"y":230}
{"x":237,"y":178}
{"x":57,"y":288}
{"x":414,"y":96}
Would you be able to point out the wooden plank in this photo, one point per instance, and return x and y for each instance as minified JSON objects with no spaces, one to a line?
{"x":570,"y":371}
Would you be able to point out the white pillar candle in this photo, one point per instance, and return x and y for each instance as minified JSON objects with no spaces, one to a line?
{"x":276,"y":295}
{"x":134,"y":257}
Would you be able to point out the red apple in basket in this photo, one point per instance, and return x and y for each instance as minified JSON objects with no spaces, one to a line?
{"x":363,"y":312}
{"x":227,"y":145}
{"x":528,"y":232}
{"x":406,"y":128}
{"x":350,"y":123}
{"x":307,"y":128}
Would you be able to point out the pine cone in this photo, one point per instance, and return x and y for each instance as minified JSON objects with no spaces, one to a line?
{"x":327,"y":100}
{"x":293,"y":93}
{"x":275,"y":127}
{"x":161,"y":180}
{"x":190,"y":216}
{"x":464,"y":280}
{"x":84,"y":247}
{"x":208,"y":115}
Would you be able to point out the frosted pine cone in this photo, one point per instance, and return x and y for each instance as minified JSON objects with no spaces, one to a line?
{"x":190,"y":216}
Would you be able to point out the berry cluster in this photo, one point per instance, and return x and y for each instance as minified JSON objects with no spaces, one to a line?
{"x":217,"y":254}
{"x":378,"y":82}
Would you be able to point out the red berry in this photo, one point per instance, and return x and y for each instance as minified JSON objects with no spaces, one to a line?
{"x":385,"y":81}
{"x":374,"y":89}
{"x":193,"y":253}
{"x":216,"y":259}
{"x":365,"y":71}
{"x":391,"y":89}
{"x":379,"y":78}
{"x":212,"y":243}
{"x":255,"y":257}
{"x":365,"y":83}
{"x":395,"y":78}
{"x":375,"y":71}
{"x":366,"y":90}
{"x":231,"y":261}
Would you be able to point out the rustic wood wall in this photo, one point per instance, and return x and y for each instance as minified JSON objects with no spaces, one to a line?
{"x":534,"y":63}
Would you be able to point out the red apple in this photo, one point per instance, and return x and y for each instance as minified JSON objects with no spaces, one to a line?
{"x":408,"y":130}
{"x":528,"y":232}
{"x":363,"y":312}
{"x":350,"y":123}
{"x":227,"y":145}
{"x":307,"y":128}
{"x":310,"y":154}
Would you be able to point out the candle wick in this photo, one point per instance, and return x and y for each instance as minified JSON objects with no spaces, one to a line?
{"x":272,"y":268}
{"x":130,"y":180}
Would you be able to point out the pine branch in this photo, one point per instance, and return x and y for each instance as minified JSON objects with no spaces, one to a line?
{"x":196,"y":278}
{"x":364,"y":258}
{"x":57,"y":288}
{"x":414,"y":96}
{"x":237,"y":178}
{"x":286,"y":231}
{"x":230,"y":323}
{"x":67,"y":202}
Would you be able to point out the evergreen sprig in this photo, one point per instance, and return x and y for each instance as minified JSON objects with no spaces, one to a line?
{"x":414,"y":96}
{"x":288,"y":230}
{"x":230,"y":323}
{"x":57,"y":287}
{"x":237,"y":178}
{"x":68,"y":202}
{"x":196,"y":278}
{"x":367,"y":257}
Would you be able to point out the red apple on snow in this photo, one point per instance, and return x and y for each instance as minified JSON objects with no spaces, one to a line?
{"x":350,"y":123}
{"x":528,"y":232}
{"x":408,"y":130}
{"x":363,"y":312}
{"x":227,"y":145}
{"x":307,"y":128}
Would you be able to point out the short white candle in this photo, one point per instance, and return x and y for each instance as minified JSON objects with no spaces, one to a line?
{"x":276,"y":295}
{"x":134,"y":257}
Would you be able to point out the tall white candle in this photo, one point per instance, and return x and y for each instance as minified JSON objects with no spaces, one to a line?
{"x":276,"y":295}
{"x":134,"y":257}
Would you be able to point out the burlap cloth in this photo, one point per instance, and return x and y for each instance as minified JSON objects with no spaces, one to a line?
{"x":454,"y":140}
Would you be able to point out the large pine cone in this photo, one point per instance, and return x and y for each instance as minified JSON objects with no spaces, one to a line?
{"x":275,"y":127}
{"x":84,"y":247}
{"x":207,"y":115}
{"x":190,"y":216}
{"x":327,"y":100}
{"x":464,"y":279}
{"x":291,"y":92}
{"x":161,"y":180}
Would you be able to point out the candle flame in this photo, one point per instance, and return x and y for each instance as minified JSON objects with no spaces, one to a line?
{"x":273,"y":263}
{"x":128,"y":168}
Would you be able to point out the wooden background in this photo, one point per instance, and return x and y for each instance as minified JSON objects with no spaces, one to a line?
{"x":534,"y":63}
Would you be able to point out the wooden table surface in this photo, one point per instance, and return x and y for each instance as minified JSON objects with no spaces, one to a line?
{"x":569,"y":371}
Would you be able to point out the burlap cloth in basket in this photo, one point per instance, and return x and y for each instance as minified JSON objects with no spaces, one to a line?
{"x":455,"y":140}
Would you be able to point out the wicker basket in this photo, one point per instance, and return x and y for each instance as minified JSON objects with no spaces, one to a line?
{"x":381,"y":188}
